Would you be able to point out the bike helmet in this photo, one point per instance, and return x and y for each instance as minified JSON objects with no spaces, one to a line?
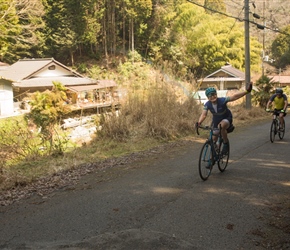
{"x":279,"y":91}
{"x":209,"y":91}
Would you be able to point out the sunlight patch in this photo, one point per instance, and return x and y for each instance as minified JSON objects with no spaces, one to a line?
{"x":286,"y":184}
{"x":164,"y":190}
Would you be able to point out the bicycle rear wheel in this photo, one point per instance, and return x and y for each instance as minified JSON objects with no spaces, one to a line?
{"x":223,"y":158}
{"x":205,"y":161}
{"x":273,"y":130}
{"x":281,"y":133}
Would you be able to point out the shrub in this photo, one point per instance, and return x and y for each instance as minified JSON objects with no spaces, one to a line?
{"x":265,"y":87}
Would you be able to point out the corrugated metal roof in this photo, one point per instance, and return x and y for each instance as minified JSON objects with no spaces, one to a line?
{"x":102,"y":84}
{"x":84,"y":88}
{"x":107,"y":83}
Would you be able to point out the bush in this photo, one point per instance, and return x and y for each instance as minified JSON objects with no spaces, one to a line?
{"x":265,"y":87}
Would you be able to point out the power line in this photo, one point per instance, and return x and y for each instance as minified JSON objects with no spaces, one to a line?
{"x":259,"y":26}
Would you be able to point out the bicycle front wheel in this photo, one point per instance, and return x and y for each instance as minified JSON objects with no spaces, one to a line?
{"x":273,"y":130}
{"x":281,"y":133}
{"x":205,"y":161}
{"x":223,"y":158}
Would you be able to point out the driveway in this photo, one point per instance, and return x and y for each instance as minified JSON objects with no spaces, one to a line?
{"x":160,"y":202}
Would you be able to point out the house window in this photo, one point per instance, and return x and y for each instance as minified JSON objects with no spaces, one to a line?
{"x":52,"y":67}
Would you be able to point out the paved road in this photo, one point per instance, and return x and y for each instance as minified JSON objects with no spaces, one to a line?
{"x":161,"y":203}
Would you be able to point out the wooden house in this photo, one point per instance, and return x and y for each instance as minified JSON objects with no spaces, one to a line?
{"x":226,"y":78}
{"x":31,"y":75}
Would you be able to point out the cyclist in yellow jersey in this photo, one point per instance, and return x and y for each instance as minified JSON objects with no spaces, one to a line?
{"x":280,"y":104}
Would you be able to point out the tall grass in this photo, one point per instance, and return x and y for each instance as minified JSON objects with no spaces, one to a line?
{"x":156,"y":112}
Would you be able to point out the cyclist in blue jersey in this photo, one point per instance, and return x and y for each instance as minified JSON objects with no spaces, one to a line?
{"x":280,"y":104}
{"x":221,"y":113}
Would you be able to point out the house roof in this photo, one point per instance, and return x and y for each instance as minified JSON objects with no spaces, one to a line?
{"x":25,"y":69}
{"x":41,"y":73}
{"x":102,"y":84}
{"x":229,"y":74}
{"x":280,"y":79}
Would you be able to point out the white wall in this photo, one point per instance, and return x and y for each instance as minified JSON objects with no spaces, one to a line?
{"x":6,"y":102}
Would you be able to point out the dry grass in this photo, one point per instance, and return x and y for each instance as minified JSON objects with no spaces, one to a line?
{"x":243,"y":116}
{"x":156,"y":112}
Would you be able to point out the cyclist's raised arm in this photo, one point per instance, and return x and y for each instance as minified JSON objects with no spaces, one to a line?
{"x":240,"y":94}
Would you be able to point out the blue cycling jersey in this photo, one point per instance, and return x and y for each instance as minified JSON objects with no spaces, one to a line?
{"x":222,"y":112}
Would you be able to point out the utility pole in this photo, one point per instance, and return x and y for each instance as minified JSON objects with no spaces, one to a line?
{"x":247,"y":52}
{"x":264,"y":34}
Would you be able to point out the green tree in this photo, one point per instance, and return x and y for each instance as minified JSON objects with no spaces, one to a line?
{"x":21,"y":29}
{"x":215,"y":5}
{"x":65,"y":28}
{"x":9,"y":26}
{"x":47,"y":108}
{"x":281,"y":48}
{"x":200,"y":43}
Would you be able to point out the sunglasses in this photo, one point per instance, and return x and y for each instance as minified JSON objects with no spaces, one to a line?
{"x":212,"y":94}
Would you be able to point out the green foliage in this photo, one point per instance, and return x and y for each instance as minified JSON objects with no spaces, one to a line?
{"x":9,"y":26}
{"x":265,"y":89}
{"x":200,"y":43}
{"x":281,"y":48}
{"x":47,"y":108}
{"x":18,"y":141}
{"x":21,"y":29}
{"x":286,"y":91}
{"x":217,"y":5}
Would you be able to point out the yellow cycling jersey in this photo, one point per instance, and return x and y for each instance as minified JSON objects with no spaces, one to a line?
{"x":278,"y":102}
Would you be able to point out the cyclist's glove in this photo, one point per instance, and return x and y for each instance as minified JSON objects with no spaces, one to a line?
{"x":197,"y":124}
{"x":282,"y":111}
{"x":250,"y":87}
{"x":267,"y":110}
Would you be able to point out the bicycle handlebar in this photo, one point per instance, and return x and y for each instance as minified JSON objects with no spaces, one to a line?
{"x":202,"y":127}
{"x":274,"y":111}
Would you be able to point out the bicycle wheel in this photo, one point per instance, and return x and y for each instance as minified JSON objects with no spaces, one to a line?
{"x":273,"y":130}
{"x":205,"y":161}
{"x":223,"y":158}
{"x":281,"y":133}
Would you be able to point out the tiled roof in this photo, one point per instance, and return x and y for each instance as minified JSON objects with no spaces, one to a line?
{"x":230,"y":71}
{"x":25,"y":68}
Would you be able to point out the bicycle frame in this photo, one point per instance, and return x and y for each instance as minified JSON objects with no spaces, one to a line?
{"x":275,"y":125}
{"x":207,"y":158}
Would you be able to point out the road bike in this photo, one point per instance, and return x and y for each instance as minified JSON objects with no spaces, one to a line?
{"x":275,"y":126}
{"x":211,"y":152}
